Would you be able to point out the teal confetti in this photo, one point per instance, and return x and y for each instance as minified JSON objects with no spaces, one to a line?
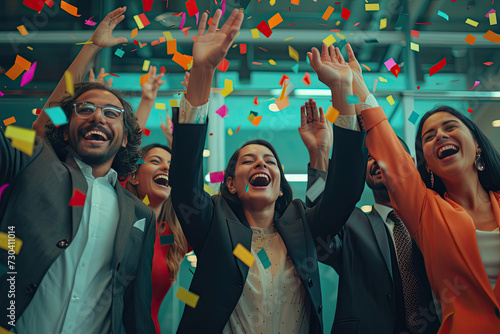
{"x":352,"y":99}
{"x":443,"y":15}
{"x":246,"y":189}
{"x":56,"y":115}
{"x":295,"y":68}
{"x":119,"y":53}
{"x":140,"y":161}
{"x":264,"y":259}
{"x":414,"y":117}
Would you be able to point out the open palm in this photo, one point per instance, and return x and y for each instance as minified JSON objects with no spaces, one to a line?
{"x":314,"y":130}
{"x":330,"y":68}
{"x":103,"y":34}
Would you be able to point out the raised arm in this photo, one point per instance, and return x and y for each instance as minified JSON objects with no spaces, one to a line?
{"x":149,"y":91}
{"x":192,"y":204}
{"x":101,"y":38}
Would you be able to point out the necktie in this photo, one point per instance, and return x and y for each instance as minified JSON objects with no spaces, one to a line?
{"x":403,"y":243}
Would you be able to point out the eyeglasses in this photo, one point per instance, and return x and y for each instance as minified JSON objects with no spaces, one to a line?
{"x":87,"y":109}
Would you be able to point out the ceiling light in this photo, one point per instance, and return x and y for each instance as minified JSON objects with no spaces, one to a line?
{"x":206,"y":153}
{"x":496,"y":124}
{"x":366,"y":208}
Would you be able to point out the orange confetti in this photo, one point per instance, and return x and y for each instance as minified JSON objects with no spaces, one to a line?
{"x":492,"y":37}
{"x":327,"y":13}
{"x":275,"y":20}
{"x":134,"y":32}
{"x":366,"y":67}
{"x":171,"y":46}
{"x":470,"y":39}
{"x":23,"y":63}
{"x":14,"y":72}
{"x":22,"y":30}
{"x":70,"y":9}
{"x":9,"y":121}
{"x":182,"y":60}
{"x":256,"y":120}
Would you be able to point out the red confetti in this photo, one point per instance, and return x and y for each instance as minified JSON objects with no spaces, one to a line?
{"x":238,"y":129}
{"x":283,"y":78}
{"x":147,"y":4}
{"x":396,"y":70}
{"x":470,"y":110}
{"x":146,"y":132}
{"x":153,"y":43}
{"x":424,"y":24}
{"x":78,"y":198}
{"x":114,"y":74}
{"x":415,"y":33}
{"x":261,"y":48}
{"x":291,"y":24}
{"x":136,"y":42}
{"x":345,"y":13}
{"x":211,"y":134}
{"x":256,"y":63}
{"x":355,"y":24}
{"x":192,"y":8}
{"x":438,"y":67}
{"x":256,"y":101}
{"x":418,"y":87}
{"x":163,"y":69}
{"x":488,"y":63}
{"x":144,"y":19}
{"x":34,"y":4}
{"x":307,"y":79}
{"x":223,"y":65}
{"x":243,"y":48}
{"x":38,"y":111}
{"x":264,"y":29}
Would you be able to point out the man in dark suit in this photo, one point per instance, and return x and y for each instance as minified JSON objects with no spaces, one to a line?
{"x":85,"y":266}
{"x":381,"y":291}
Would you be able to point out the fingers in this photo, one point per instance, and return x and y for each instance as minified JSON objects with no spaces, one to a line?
{"x":303,"y":117}
{"x":333,"y":57}
{"x":100,"y":77}
{"x":350,"y":53}
{"x":117,"y":12}
{"x":324,"y":53}
{"x":233,"y":23}
{"x":340,"y":58}
{"x":315,"y":59}
{"x":110,"y":82}
{"x":309,"y":112}
{"x":203,"y":24}
{"x":215,"y":21}
{"x":314,"y":110}
{"x":321,"y":115}
{"x":91,"y":75}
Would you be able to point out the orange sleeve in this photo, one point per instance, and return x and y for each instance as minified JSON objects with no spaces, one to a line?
{"x":407,"y":191}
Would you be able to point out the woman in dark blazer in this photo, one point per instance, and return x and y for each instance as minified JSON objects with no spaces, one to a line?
{"x":280,"y":291}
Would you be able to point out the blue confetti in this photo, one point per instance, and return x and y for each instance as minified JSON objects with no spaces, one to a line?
{"x":264,"y":259}
{"x":443,"y":15}
{"x":295,"y":68}
{"x":119,"y":53}
{"x":57,"y":115}
{"x":352,"y":99}
{"x":246,"y":189}
{"x":140,"y":161}
{"x":414,"y":117}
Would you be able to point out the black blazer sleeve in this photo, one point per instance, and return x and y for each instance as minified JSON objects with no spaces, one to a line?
{"x":192,"y":204}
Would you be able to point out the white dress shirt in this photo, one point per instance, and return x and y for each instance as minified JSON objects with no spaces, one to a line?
{"x":488,"y":243}
{"x":75,"y":294}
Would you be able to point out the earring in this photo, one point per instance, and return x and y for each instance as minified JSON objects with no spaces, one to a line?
{"x":280,"y":194}
{"x":432,"y":177}
{"x":233,"y":191}
{"x":479,"y":162}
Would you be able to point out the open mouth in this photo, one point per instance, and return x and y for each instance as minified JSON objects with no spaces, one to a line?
{"x":161,"y":180}
{"x":96,"y":135}
{"x":446,"y":151}
{"x":259,"y":180}
{"x":376,"y":171}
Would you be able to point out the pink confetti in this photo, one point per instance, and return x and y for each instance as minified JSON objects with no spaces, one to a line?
{"x":491,"y":11}
{"x":222,"y":111}
{"x":223,"y":7}
{"x":216,"y":177}
{"x":2,"y":188}
{"x":197,"y":17}
{"x":390,"y":64}
{"x":1,"y":94}
{"x":475,"y":84}
{"x":89,"y":22}
{"x":28,"y":76}
{"x":183,"y":20}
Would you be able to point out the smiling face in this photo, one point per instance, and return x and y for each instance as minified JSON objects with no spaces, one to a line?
{"x":96,"y":139}
{"x":373,"y":175}
{"x":256,"y":167}
{"x":448,"y":146}
{"x":152,"y":177}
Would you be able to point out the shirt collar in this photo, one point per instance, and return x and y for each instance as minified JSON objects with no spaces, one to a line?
{"x":383,"y":210}
{"x":111,"y":175}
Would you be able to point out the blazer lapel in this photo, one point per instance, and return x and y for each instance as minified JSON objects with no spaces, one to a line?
{"x":378,"y":226}
{"x":125,"y":222}
{"x":240,"y":234}
{"x":79,"y":182}
{"x":293,"y":235}
{"x":495,"y":200}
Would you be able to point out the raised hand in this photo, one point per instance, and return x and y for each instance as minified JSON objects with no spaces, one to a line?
{"x":211,"y":48}
{"x":358,"y":83}
{"x":100,"y":77}
{"x":330,"y":66}
{"x":186,"y":80}
{"x":316,"y":133}
{"x":103,"y":34}
{"x":167,"y":130}
{"x":150,"y":88}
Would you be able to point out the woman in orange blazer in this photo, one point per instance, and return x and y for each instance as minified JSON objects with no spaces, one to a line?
{"x":445,"y":204}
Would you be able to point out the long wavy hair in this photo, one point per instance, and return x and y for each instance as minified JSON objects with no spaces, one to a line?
{"x":281,"y":203}
{"x":179,"y":248}
{"x":489,"y":178}
{"x":124,"y":161}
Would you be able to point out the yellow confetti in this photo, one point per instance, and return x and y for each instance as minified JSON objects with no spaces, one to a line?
{"x":372,"y":7}
{"x":390,"y":99}
{"x":244,"y":255}
{"x":187,"y":297}
{"x":230,"y":131}
{"x":160,"y":106}
{"x":492,"y":16}
{"x":10,"y":243}
{"x":228,"y":88}
{"x":69,"y":83}
{"x":288,"y":39}
{"x":255,"y":33}
{"x":168,"y":35}
{"x":22,"y":30}
{"x":293,"y":53}
{"x":383,"y":23}
{"x":146,"y":200}
{"x":138,"y":21}
{"x":30,"y":48}
{"x":415,"y":46}
{"x":145,"y":65}
{"x":272,"y":62}
{"x":208,"y":189}
{"x":272,"y":2}
{"x":471,"y":22}
{"x":173,"y":103}
{"x":337,"y":23}
{"x":22,"y":139}
{"x":382,"y":79}
{"x":83,"y":43}
{"x":329,"y":40}
{"x":340,"y":35}
{"x":331,"y":114}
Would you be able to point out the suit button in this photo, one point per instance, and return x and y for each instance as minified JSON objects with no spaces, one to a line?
{"x":31,"y":289}
{"x":320,"y":308}
{"x":497,"y":313}
{"x":310,"y":282}
{"x":63,"y":243}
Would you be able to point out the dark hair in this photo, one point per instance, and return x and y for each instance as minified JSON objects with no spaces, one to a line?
{"x":145,"y":149}
{"x":489,"y":178}
{"x":282,"y":201}
{"x":125,"y":159}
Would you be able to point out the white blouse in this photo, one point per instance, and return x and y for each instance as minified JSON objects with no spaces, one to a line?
{"x":273,"y":298}
{"x":488,"y":243}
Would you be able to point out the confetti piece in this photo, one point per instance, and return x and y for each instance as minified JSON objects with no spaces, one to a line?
{"x":168,"y":35}
{"x":183,"y":20}
{"x":352,"y":99}
{"x":492,"y":37}
{"x":306,"y":79}
{"x":29,"y":48}
{"x":78,"y":198}
{"x":414,"y":46}
{"x":272,"y":2}
{"x":145,"y":65}
{"x":23,"y":63}
{"x":491,"y":11}
{"x":238,"y":130}
{"x":160,"y":106}
{"x":327,"y":13}
{"x":471,"y":22}
{"x":488,"y":63}
{"x":91,"y":23}
{"x":83,"y":43}
{"x":475,"y":84}
{"x":166,"y":239}
{"x":230,"y":132}
{"x":264,"y":29}
{"x":255,"y":33}
{"x":56,"y":115}
{"x":191,"y":299}
{"x":470,"y":110}
{"x":119,"y":53}
{"x":10,"y":243}
{"x":390,"y":63}
{"x":372,"y":7}
{"x":191,"y":7}
{"x":208,"y":189}
{"x":134,"y":32}
{"x":438,"y":67}
{"x":345,"y":13}
{"x":243,"y":254}
{"x":264,"y":259}
{"x":492,"y":17}
{"x":153,"y":43}
{"x":293,"y":53}
{"x":329,"y":40}
{"x":251,"y":116}
{"x":228,"y":88}
{"x":470,"y":39}
{"x":70,"y":9}
{"x":390,"y":99}
{"x":331,"y":114}
{"x":144,"y":78}
{"x":222,"y":7}
{"x":223,"y":66}
{"x":146,"y":132}
{"x":146,"y":200}
{"x":243,"y":48}
{"x":382,"y":79}
{"x":275,"y":20}
{"x":69,"y":83}
{"x":415,"y":33}
{"x":22,"y":30}
{"x":171,"y":46}
{"x":383,"y":23}
{"x":28,"y":76}
{"x":413,"y":117}
{"x":173,"y":103}
{"x":295,"y":2}
{"x":146,"y":5}
{"x":247,"y":187}
{"x":256,"y":101}
{"x":217,"y":177}
{"x":295,"y":68}
{"x":272,"y":62}
{"x":182,"y":60}
{"x":443,"y":15}
{"x":9,"y":121}
{"x":395,"y":70}
{"x":140,"y":162}
{"x":340,"y":35}
{"x":141,"y":20}
{"x":369,"y":70}
{"x":222,"y":111}
{"x":256,"y":120}
{"x":36,"y":5}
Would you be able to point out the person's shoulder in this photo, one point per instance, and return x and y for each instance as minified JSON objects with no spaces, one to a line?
{"x":140,"y":207}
